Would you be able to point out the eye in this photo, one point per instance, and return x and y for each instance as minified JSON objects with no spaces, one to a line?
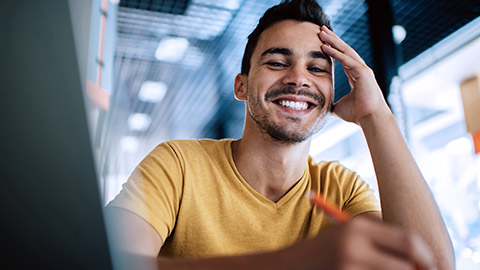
{"x":276,"y":64}
{"x":315,"y":69}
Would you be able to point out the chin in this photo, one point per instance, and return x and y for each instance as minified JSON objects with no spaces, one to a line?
{"x":279,"y":134}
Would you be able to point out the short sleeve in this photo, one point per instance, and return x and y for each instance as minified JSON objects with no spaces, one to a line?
{"x":357,"y":195}
{"x":154,"y":189}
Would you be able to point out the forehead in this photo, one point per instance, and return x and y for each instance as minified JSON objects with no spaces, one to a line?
{"x":299,"y":37}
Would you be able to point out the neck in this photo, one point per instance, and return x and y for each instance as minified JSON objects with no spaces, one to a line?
{"x":270,"y":167}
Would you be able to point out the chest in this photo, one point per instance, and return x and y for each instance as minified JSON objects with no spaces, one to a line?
{"x":227,"y":218}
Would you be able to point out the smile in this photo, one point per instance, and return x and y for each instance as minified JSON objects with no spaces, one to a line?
{"x":295,"y":101}
{"x":296,"y":105}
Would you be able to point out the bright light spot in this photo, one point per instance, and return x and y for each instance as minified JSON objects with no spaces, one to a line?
{"x":152,"y":91}
{"x":228,"y":4}
{"x":129,"y":144}
{"x":332,"y":136}
{"x":115,"y":2}
{"x":139,"y":121}
{"x":476,"y":257}
{"x":399,"y":33}
{"x":171,"y":49}
{"x":460,"y":146}
{"x":113,"y":185}
{"x":231,"y":4}
{"x":467,"y":253}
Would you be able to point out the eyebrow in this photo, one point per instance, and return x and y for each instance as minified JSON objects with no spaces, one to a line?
{"x":319,"y":54}
{"x":288,"y":52}
{"x":276,"y":50}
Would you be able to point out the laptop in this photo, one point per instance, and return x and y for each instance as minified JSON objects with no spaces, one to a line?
{"x":51,"y":211}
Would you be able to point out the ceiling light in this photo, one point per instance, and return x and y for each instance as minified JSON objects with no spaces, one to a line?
{"x":171,"y":49}
{"x":139,"y":121}
{"x":231,"y":4}
{"x":399,"y":33}
{"x":228,"y":4}
{"x":152,"y":91}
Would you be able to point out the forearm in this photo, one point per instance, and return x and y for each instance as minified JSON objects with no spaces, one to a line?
{"x":361,"y":243}
{"x":268,"y":260}
{"x":255,"y":261}
{"x":405,"y":197}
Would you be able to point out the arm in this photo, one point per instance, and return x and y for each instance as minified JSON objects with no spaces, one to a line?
{"x":360,"y":242}
{"x":405,"y":197}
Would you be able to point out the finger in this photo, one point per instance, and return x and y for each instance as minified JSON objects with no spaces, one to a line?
{"x":350,"y":65}
{"x":379,"y":259}
{"x":351,"y":80}
{"x":379,"y":246}
{"x":406,"y":245}
{"x":362,"y":248}
{"x":329,"y":37}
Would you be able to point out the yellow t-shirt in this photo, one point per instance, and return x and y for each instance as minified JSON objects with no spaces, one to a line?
{"x":193,"y":195}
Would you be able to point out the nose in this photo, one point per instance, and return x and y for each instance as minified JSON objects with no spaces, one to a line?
{"x":297,"y":76}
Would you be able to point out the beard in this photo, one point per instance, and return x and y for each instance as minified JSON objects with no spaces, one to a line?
{"x":287,"y":134}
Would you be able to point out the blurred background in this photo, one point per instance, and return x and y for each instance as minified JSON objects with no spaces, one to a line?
{"x":157,"y":70}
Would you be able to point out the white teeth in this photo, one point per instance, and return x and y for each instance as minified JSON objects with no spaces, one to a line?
{"x":296,"y":105}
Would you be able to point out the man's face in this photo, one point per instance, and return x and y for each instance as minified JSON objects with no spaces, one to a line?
{"x":289,"y":89}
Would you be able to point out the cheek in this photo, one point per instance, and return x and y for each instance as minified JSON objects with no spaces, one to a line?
{"x":325,"y":86}
{"x":261,"y":83}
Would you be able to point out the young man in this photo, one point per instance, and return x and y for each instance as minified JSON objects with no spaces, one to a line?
{"x":205,"y":204}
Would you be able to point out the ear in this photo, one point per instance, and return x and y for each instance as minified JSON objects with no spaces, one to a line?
{"x":240,"y":87}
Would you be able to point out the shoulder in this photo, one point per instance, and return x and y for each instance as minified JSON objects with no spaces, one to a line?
{"x":193,"y":149}
{"x":328,"y":168}
{"x":194,"y":144}
{"x":332,"y":175}
{"x":342,"y":186}
{"x":188,"y":147}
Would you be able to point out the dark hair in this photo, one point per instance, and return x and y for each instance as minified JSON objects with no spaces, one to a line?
{"x":298,"y":10}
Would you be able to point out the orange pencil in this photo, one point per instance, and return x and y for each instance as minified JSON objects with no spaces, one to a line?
{"x":331,"y":209}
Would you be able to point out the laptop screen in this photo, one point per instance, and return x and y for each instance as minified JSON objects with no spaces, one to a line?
{"x":51,"y":208}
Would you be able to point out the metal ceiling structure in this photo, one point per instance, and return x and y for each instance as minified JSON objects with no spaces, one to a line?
{"x":199,"y":99}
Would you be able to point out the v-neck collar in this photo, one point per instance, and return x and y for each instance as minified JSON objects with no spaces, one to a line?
{"x":298,"y":186}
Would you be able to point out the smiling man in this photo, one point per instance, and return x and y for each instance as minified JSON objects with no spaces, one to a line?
{"x":236,"y":204}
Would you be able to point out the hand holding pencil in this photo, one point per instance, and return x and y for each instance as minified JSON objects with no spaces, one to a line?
{"x":414,"y":251}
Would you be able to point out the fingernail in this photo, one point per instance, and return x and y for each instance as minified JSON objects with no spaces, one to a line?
{"x":326,"y":46}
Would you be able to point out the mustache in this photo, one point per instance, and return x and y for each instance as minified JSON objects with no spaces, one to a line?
{"x":288,"y":90}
